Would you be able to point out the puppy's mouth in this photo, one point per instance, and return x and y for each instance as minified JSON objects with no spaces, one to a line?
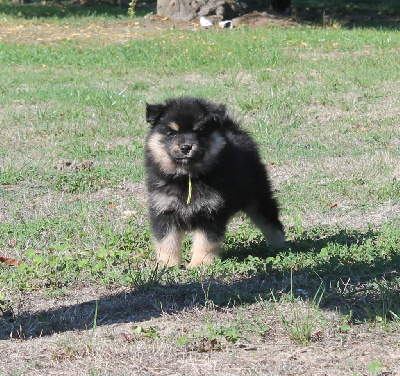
{"x":186,"y":160}
{"x":183,"y":160}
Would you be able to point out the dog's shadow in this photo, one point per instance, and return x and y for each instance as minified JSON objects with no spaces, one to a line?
{"x":257,"y":247}
{"x":154,"y":300}
{"x":332,"y":257}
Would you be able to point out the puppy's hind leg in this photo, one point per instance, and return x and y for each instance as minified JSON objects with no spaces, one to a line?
{"x":168,"y":249}
{"x":265,"y":217}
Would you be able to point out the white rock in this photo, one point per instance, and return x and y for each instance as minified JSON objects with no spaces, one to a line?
{"x":228,"y":24}
{"x":205,"y":22}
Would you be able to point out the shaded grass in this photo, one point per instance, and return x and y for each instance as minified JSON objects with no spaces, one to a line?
{"x":66,"y":10}
{"x":367,"y":6}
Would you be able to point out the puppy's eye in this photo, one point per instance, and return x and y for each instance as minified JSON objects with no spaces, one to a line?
{"x":170,"y":133}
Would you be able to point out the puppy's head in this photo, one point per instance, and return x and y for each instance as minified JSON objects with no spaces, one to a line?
{"x":186,"y":134}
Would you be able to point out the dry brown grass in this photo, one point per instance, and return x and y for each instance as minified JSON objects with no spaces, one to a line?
{"x":115,"y":349}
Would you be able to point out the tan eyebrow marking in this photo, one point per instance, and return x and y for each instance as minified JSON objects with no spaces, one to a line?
{"x":174,"y":126}
{"x":197,"y":126}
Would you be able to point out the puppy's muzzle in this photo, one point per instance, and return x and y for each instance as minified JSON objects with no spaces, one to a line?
{"x":185,"y":148}
{"x":187,"y":153}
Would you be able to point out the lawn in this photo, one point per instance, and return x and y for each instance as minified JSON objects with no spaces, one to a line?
{"x":80,"y":291}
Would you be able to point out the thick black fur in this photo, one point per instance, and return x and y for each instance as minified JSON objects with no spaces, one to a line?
{"x":196,"y":138}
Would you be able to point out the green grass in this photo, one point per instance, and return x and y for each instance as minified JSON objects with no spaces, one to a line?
{"x":322,"y":104}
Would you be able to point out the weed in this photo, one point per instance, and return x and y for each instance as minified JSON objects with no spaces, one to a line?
{"x":216,"y":337}
{"x":301,"y":322}
{"x":150,"y":332}
{"x":143,"y":277}
{"x":208,"y":303}
{"x":230,"y":333}
{"x":204,"y":344}
{"x":11,"y":175}
{"x":384,"y":308}
{"x":78,"y":182}
{"x":96,"y":309}
{"x":6,"y":308}
{"x":211,"y":339}
{"x":375,"y":367}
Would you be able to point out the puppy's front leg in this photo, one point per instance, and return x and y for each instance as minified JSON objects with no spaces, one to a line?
{"x":205,"y":248}
{"x":168,"y":248}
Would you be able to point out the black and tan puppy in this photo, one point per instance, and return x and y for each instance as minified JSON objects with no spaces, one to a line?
{"x":201,"y":169}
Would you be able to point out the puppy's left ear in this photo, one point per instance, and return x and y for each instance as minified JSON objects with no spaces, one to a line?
{"x":217,"y":111}
{"x":154,"y":112}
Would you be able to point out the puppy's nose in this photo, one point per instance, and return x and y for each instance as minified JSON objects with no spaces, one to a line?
{"x":185,"y":148}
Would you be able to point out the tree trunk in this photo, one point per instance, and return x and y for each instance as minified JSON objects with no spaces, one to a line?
{"x":187,"y":10}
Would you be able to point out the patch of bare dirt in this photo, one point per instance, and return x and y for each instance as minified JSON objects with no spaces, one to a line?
{"x":32,"y":32}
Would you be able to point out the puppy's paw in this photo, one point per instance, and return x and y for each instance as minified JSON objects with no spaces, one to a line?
{"x":276,"y":238}
{"x":200,"y":262}
{"x":192,"y":265}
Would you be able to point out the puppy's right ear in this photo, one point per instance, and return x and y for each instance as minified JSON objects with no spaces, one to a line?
{"x":217,"y":111}
{"x":154,"y":112}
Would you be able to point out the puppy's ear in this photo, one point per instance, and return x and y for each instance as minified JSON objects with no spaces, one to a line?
{"x":217,"y":111}
{"x":154,"y":112}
